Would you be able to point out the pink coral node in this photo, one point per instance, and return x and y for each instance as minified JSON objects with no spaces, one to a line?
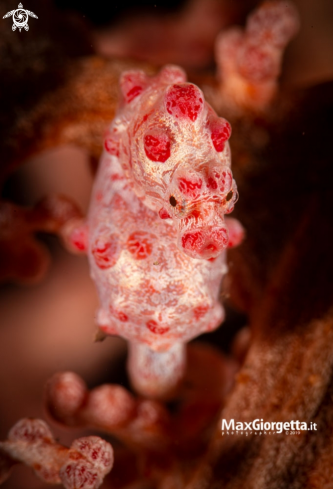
{"x":83,"y":466}
{"x":66,"y":393}
{"x":274,"y":23}
{"x":88,"y":461}
{"x":96,"y":451}
{"x":109,"y":406}
{"x":249,"y":60}
{"x":30,"y":431}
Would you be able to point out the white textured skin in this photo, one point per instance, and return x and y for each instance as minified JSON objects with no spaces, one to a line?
{"x":156,"y":287}
{"x":155,"y":373}
{"x":166,"y":286}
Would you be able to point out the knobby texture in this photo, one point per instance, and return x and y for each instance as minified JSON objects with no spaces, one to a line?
{"x":83,"y":465}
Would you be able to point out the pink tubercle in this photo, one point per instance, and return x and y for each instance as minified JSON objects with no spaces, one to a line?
{"x":116,"y":177}
{"x":219,"y":235}
{"x":79,"y":239}
{"x":211,"y":183}
{"x":206,"y":242}
{"x":118,"y":314}
{"x":132,"y":84}
{"x":133,"y":93}
{"x":163,"y":213}
{"x":200,"y":311}
{"x":220,"y":133}
{"x":219,"y":178}
{"x":139,"y":244}
{"x":75,"y":235}
{"x":193,"y":241}
{"x":190,"y":187}
{"x":184,"y":101}
{"x":109,"y":329}
{"x":105,"y":251}
{"x":236,"y":232}
{"x":156,"y":328}
{"x":111,"y":145}
{"x":157,"y":146}
{"x":172,"y":74}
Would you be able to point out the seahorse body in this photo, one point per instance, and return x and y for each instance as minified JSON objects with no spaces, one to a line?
{"x":157,"y":234}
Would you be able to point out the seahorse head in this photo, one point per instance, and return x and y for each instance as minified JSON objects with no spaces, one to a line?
{"x":174,"y":149}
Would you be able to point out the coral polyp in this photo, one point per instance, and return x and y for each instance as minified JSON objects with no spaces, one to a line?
{"x":250,"y":61}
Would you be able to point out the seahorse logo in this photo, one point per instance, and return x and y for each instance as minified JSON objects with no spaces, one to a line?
{"x":20,"y":17}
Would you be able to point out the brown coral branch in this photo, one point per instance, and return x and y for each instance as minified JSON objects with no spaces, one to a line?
{"x":77,"y":112}
{"x":22,"y":257}
{"x":167,"y":444}
{"x":287,"y":374}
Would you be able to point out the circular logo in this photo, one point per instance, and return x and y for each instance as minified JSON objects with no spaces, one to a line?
{"x":20,"y":18}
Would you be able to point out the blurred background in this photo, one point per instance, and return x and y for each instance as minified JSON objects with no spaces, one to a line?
{"x":49,"y":327}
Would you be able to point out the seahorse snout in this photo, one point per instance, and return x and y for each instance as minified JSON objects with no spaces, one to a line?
{"x":204,"y":242}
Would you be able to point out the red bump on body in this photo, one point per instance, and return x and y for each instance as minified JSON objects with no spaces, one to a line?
{"x":118,"y":314}
{"x":190,"y":186}
{"x":155,"y":328}
{"x":211,"y":183}
{"x":122,"y":316}
{"x":115,"y":177}
{"x":111,"y":146}
{"x":139,"y":244}
{"x":132,"y":84}
{"x":195,"y":213}
{"x":172,"y":74}
{"x":105,"y":251}
{"x":200,"y":311}
{"x":134,"y":92}
{"x":236,"y":232}
{"x":193,"y":241}
{"x":139,"y":123}
{"x":219,"y":236}
{"x":157,"y":146}
{"x":79,"y":238}
{"x":226,"y":180}
{"x":219,"y":179}
{"x":220,"y":133}
{"x":163,"y":213}
{"x":205,"y":243}
{"x":184,"y":101}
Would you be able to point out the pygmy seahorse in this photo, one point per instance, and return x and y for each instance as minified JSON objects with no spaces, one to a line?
{"x":156,"y":228}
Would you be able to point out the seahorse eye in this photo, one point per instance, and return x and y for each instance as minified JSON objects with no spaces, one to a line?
{"x":229,"y":196}
{"x":173,"y":201}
